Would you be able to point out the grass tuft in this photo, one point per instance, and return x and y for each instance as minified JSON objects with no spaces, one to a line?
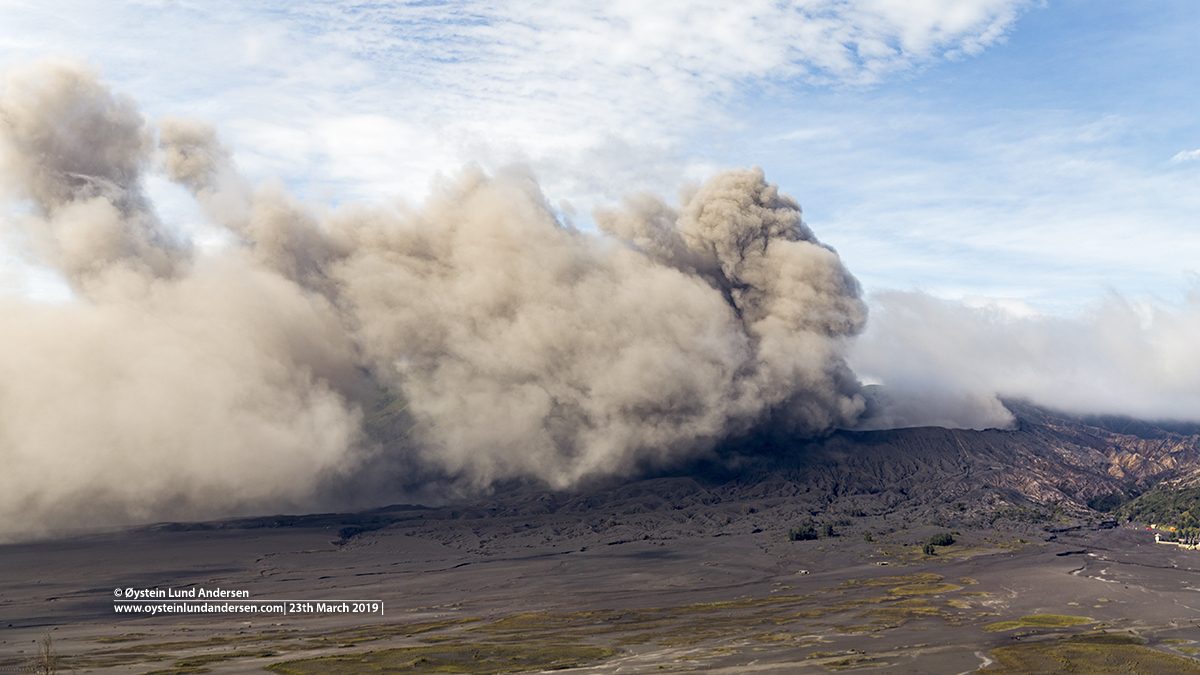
{"x":923,"y":589}
{"x":461,"y":658}
{"x":1039,"y":621}
{"x":1097,"y":654}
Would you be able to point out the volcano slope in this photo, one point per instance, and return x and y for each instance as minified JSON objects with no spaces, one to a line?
{"x":688,"y":571}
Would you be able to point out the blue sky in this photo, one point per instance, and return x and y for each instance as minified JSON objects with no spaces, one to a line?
{"x":1039,"y":170}
{"x":1022,"y":154}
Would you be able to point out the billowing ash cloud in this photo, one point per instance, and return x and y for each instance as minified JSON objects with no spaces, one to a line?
{"x":77,"y":152}
{"x":946,"y":363}
{"x":472,"y":339}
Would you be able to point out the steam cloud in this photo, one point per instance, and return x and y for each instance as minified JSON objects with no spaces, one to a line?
{"x":470,"y":340}
{"x":945,"y":363}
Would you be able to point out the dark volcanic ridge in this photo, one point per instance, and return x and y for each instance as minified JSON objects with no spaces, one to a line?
{"x":1050,"y":467}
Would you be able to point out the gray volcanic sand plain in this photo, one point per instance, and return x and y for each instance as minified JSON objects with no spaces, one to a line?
{"x":740,"y":601}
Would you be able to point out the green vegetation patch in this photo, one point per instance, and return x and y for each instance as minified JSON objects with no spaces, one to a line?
{"x":192,"y":664}
{"x":1039,"y":621}
{"x":898,"y":613}
{"x":379,"y":631}
{"x":1166,"y":507}
{"x":205,"y":659}
{"x":852,"y":663}
{"x":838,"y":607}
{"x":727,"y":605}
{"x":708,"y":654}
{"x":125,"y":637}
{"x":770,"y":637}
{"x":902,"y":614}
{"x":477,"y":658}
{"x":923,"y":589}
{"x":859,"y":629}
{"x":264,"y":644}
{"x":806,"y":531}
{"x":178,"y":645}
{"x":911,"y":602}
{"x":942,"y":539}
{"x":667,"y":626}
{"x":541,"y":621}
{"x":891,"y":581}
{"x":1096,"y":654}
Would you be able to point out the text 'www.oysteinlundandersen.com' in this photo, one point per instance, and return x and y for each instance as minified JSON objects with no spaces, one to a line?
{"x":156,"y":601}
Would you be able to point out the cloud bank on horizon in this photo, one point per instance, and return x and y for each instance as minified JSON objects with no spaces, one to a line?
{"x":230,"y":347}
{"x":948,"y":363}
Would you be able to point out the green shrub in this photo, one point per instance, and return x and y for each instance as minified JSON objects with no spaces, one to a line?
{"x":803,"y":532}
{"x":942,"y":539}
{"x":928,"y":549}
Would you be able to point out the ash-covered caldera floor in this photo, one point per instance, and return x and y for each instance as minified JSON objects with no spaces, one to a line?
{"x":687,"y":572}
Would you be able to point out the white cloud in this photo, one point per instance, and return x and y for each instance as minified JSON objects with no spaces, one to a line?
{"x":532,"y":81}
{"x":1031,"y":207}
{"x":365,"y":101}
{"x":1186,"y":156}
{"x":945,"y":362}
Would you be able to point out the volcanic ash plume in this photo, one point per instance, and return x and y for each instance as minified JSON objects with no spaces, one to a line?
{"x":469,"y":340}
{"x":76,"y":152}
